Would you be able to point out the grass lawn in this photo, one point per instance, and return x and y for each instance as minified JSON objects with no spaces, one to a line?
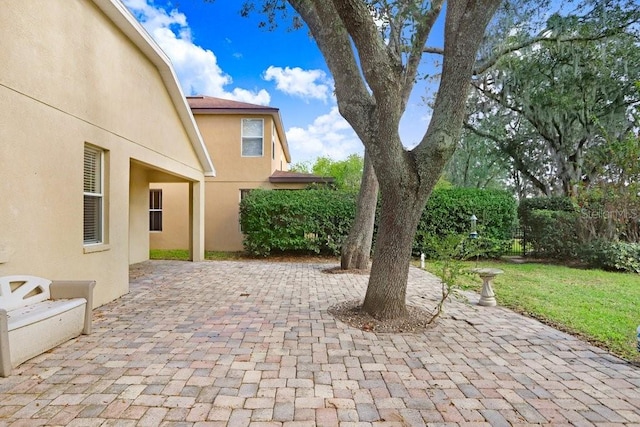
{"x":601,"y":307}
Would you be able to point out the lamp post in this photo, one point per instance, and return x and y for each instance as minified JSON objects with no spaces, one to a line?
{"x":474,"y":231}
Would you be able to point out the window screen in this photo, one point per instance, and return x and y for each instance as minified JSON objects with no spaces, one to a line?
{"x":252,"y":135}
{"x":93,"y":197}
{"x":155,"y":210}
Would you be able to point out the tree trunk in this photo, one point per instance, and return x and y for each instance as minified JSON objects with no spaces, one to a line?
{"x":399,"y":216}
{"x":356,"y":249}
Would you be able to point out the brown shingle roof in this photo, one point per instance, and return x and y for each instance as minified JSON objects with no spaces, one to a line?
{"x":298,"y":177}
{"x":210,"y":103}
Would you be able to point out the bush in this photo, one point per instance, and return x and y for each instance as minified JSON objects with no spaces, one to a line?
{"x":609,"y":215}
{"x":448,"y":212}
{"x":552,"y":234}
{"x":619,"y":256}
{"x":319,"y":220}
{"x":296,"y":220}
{"x":550,"y":225}
{"x":554,"y":203}
{"x":482,"y":246}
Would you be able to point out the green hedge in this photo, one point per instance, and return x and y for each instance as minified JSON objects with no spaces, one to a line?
{"x":552,"y":234}
{"x":550,"y":225}
{"x":553,"y":203}
{"x":448,"y":212}
{"x":319,"y":220}
{"x":296,"y":220}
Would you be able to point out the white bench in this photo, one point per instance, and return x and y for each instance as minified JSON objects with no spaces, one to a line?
{"x":37,"y":314}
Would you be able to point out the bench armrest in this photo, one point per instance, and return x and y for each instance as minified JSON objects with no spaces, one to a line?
{"x":63,"y":289}
{"x":5,"y":356}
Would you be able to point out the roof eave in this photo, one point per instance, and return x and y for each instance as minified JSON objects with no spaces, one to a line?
{"x":127,"y":23}
{"x":299,"y":180}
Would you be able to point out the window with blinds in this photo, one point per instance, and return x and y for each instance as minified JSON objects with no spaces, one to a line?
{"x":93,"y":197}
{"x":252,"y":137}
{"x":155,"y":210}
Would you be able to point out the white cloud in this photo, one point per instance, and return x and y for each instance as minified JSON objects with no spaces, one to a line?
{"x":329,"y":135}
{"x":306,"y":84}
{"x":197,"y":68}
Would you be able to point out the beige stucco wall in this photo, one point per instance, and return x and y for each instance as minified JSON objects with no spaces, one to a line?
{"x":175,"y":217}
{"x":222,"y":134}
{"x":69,"y":77}
{"x":222,"y":217}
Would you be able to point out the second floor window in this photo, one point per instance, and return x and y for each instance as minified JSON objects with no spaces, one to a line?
{"x":252,"y":137}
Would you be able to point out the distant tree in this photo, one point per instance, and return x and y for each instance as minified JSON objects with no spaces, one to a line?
{"x":553,"y":106}
{"x":478,"y":163}
{"x":347,"y":173}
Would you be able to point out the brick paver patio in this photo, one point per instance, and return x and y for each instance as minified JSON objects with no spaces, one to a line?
{"x":252,"y":344}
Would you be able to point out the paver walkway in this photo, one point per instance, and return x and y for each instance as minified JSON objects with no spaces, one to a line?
{"x":252,"y":344}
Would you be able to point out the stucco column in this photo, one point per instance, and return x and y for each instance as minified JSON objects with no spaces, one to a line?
{"x":196,"y":221}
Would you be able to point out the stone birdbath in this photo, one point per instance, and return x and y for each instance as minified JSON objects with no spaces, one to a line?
{"x":487,"y":297}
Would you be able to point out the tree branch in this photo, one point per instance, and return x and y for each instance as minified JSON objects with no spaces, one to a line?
{"x":334,"y":42}
{"x":517,"y":161}
{"x":380,"y":69}
{"x":433,"y":50}
{"x":491,"y":61}
{"x":423,"y":29}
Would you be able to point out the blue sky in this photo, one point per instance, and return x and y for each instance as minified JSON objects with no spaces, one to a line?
{"x":217,"y":52}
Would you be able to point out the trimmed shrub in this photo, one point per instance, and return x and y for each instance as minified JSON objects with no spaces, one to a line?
{"x":319,"y":220}
{"x":296,"y":220}
{"x":553,"y":203}
{"x":552,"y":234}
{"x":551,"y":226}
{"x":618,"y":256}
{"x":448,"y":212}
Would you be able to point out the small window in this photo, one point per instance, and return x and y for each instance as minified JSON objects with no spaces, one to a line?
{"x":155,"y":210}
{"x":93,"y":196}
{"x":252,"y":137}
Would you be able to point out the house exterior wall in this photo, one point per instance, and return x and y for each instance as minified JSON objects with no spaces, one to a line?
{"x":175,"y":217}
{"x":70,"y":77}
{"x":223,"y":137}
{"x":222,"y":134}
{"x":278,"y":158}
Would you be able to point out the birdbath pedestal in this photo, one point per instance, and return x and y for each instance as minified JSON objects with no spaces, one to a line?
{"x":487,"y":297}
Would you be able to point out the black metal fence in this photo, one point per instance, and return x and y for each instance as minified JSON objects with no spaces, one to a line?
{"x":519,"y":245}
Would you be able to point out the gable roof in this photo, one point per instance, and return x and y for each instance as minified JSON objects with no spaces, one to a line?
{"x":127,"y":23}
{"x":201,"y":104}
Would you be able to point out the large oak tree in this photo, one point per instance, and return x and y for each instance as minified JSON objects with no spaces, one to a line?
{"x":374,"y":73}
{"x":374,"y":50}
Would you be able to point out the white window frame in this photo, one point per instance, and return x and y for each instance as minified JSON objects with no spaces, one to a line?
{"x":95,"y":193}
{"x":153,"y":210}
{"x":252,"y":137}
